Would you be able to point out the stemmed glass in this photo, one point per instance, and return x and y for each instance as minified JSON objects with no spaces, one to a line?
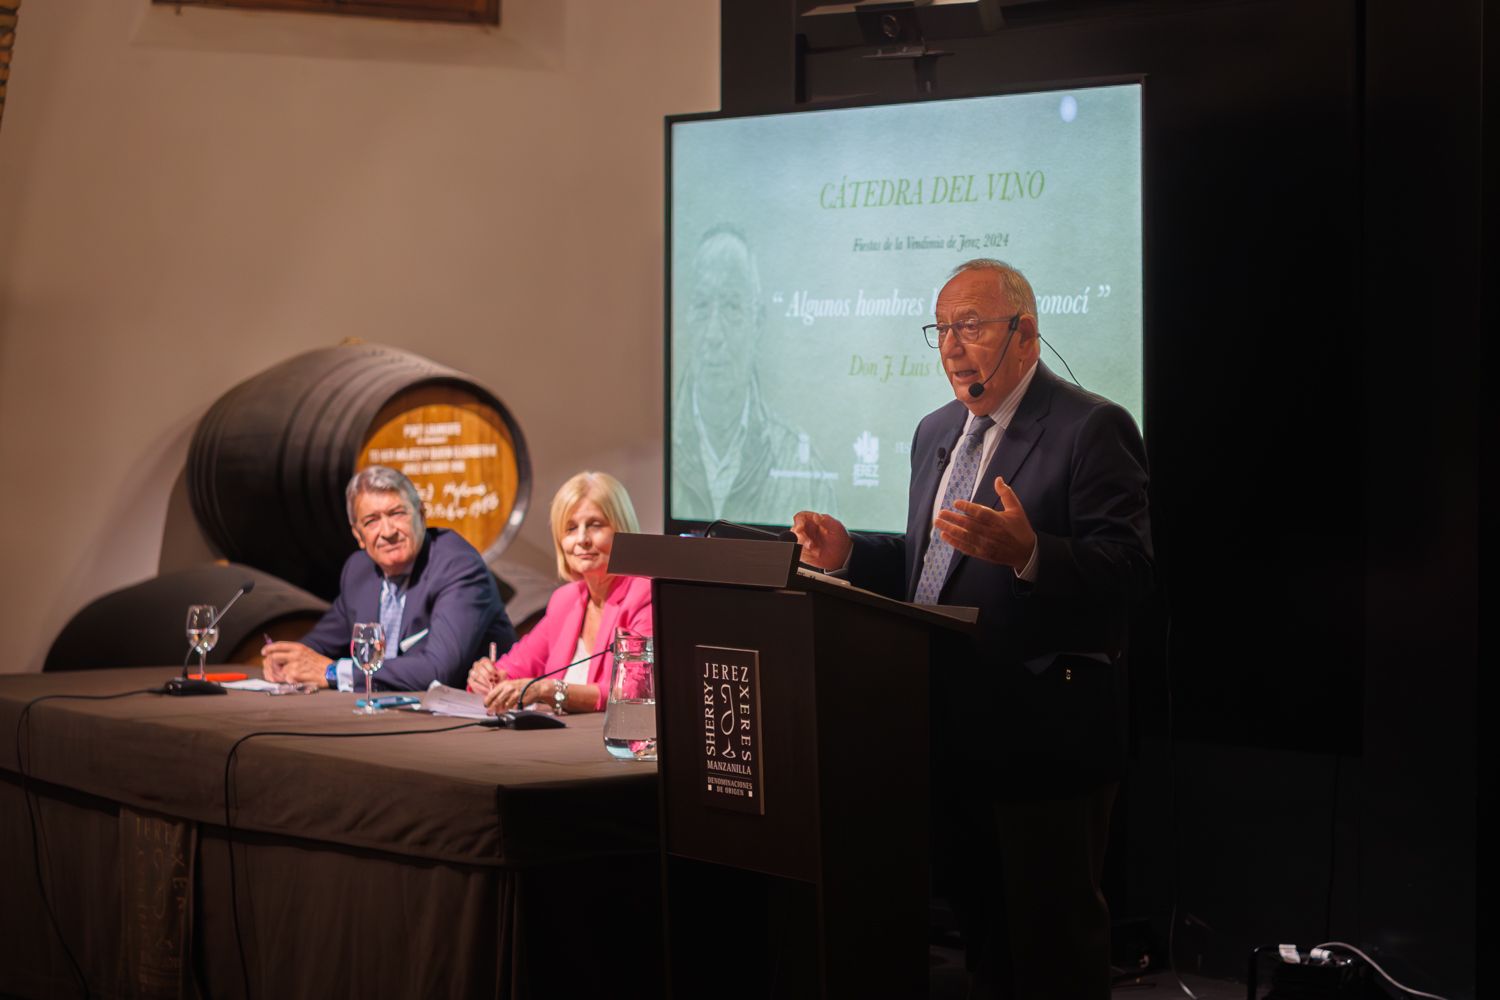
{"x":202,"y":633}
{"x":367,"y":646}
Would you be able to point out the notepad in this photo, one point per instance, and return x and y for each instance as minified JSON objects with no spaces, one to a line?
{"x":440,"y":699}
{"x":269,"y":687}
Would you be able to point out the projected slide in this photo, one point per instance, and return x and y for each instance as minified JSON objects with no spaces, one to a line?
{"x":806,"y":253}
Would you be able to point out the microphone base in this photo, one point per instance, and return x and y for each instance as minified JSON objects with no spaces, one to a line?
{"x":185,"y":686}
{"x":519,"y":719}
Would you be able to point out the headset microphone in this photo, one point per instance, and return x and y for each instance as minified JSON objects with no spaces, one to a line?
{"x":976,"y":389}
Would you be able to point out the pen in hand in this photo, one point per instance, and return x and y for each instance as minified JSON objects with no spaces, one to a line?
{"x":492,"y":652}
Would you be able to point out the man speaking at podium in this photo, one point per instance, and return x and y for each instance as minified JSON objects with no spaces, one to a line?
{"x":1027,"y":501}
{"x":428,"y":587}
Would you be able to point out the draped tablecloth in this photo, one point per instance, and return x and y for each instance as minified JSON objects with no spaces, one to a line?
{"x":433,"y":864}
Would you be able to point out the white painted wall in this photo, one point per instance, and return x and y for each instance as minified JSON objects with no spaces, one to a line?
{"x":187,"y":198}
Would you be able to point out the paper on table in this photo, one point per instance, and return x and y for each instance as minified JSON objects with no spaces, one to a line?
{"x":269,"y":687}
{"x":440,"y":699}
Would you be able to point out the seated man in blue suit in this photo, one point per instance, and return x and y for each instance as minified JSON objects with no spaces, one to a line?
{"x":428,"y":587}
{"x":1028,"y":502}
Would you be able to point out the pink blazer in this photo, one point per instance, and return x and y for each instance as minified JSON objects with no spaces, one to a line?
{"x":552,"y":643}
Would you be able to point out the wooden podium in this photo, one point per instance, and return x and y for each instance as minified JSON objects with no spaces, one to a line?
{"x":792,"y":712}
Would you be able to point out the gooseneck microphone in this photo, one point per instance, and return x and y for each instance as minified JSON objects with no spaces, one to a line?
{"x":185,"y":685}
{"x":976,"y":389}
{"x":729,"y":529}
{"x":520,"y":718}
{"x":245,"y":588}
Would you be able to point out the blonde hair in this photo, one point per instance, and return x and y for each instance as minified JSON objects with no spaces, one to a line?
{"x":606,"y":491}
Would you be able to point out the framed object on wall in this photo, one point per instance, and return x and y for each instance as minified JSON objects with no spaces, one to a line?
{"x":9,"y":13}
{"x":467,"y":11}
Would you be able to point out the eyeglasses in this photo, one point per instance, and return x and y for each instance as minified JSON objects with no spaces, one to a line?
{"x":968,"y":330}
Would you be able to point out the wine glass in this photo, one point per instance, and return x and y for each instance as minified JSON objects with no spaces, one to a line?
{"x":367,"y":646}
{"x":202,"y":633}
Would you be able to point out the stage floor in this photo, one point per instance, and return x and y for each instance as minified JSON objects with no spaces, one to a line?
{"x":946,"y":981}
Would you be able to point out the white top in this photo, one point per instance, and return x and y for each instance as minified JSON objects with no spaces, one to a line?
{"x":578,"y":673}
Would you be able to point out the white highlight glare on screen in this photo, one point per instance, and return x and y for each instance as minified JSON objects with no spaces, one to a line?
{"x":806,"y":253}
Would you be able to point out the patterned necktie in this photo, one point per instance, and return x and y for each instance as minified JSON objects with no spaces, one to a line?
{"x":960,"y":487}
{"x":391,"y":603}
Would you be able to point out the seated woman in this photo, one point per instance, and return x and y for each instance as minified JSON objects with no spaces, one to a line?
{"x":581,"y":616}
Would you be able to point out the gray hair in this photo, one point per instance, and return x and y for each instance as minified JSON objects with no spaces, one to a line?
{"x":1012,"y":282}
{"x":724,"y":248}
{"x":384,"y":479}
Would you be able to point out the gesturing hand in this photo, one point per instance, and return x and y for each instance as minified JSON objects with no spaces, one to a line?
{"x":825,"y":541}
{"x":999,"y":536}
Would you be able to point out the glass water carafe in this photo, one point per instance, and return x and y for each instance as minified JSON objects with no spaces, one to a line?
{"x":630,"y":715}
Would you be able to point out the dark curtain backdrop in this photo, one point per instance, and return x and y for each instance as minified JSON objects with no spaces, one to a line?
{"x":1313,"y":262}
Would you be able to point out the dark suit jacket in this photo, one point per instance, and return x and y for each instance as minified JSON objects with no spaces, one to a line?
{"x":451,"y":594}
{"x":1038,"y":695}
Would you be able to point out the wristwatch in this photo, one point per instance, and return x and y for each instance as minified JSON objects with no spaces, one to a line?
{"x":559,"y":696}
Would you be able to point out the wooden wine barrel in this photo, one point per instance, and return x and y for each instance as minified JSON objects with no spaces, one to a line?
{"x":269,"y":461}
{"x":144,"y":625}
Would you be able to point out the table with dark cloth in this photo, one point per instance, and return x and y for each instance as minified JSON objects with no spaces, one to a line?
{"x":480,"y":862}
